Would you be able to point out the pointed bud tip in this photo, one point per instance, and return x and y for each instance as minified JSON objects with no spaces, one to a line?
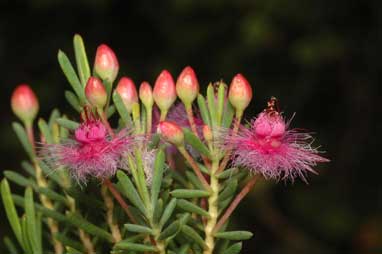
{"x":128,"y":92}
{"x":187,"y":85}
{"x":95,"y":92}
{"x":171,"y":132}
{"x":164,"y":91}
{"x":240,"y":92}
{"x":24,"y":103}
{"x":106,"y":63}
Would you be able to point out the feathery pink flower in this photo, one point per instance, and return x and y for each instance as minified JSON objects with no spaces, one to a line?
{"x":92,"y":153}
{"x":269,"y":148}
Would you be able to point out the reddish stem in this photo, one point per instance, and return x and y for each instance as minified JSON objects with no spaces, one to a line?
{"x":30,"y":134}
{"x":191,"y":120}
{"x":119,"y":199}
{"x":195,"y":167}
{"x":246,"y":189}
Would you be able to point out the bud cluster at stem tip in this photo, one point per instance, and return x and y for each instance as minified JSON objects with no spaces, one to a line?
{"x":240,"y":93}
{"x":106,"y":65}
{"x":95,"y":92}
{"x":128,"y":92}
{"x":187,"y":86}
{"x":24,"y":103}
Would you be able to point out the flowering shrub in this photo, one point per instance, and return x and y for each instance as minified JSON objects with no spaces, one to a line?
{"x":164,"y":178}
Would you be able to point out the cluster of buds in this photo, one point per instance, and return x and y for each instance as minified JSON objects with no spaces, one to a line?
{"x":208,"y":137}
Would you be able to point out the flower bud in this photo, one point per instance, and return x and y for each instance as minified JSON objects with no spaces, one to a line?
{"x":128,"y":92}
{"x":187,"y":86}
{"x":95,"y":92}
{"x":207,"y":133}
{"x":240,"y":93}
{"x":24,"y":103}
{"x":171,"y":132}
{"x":164,"y":91}
{"x":146,"y":94}
{"x":106,"y":64}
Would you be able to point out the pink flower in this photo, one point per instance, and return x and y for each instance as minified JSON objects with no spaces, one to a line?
{"x":269,"y":148}
{"x":91,"y":153}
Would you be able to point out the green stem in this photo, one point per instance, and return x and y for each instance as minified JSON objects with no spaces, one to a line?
{"x":212,"y":209}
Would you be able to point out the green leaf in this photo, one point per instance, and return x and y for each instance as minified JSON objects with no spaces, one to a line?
{"x":234,"y":235}
{"x":178,"y":177}
{"x":19,"y":201}
{"x":158,"y":209}
{"x":192,"y":208}
{"x":45,"y":131}
{"x":10,"y":210}
{"x":168,"y":212}
{"x":50,"y":173}
{"x":30,"y":218}
{"x":51,"y":194}
{"x":211,"y":104}
{"x":139,"y":229}
{"x":72,"y":99}
{"x":227,"y":173}
{"x":135,"y":247}
{"x":71,"y":75}
{"x":170,"y":231}
{"x":28,"y":168}
{"x":221,"y":101}
{"x":68,"y":124}
{"x":125,"y":116}
{"x":203,"y":110}
{"x":18,"y":179}
{"x":81,"y":59}
{"x":190,"y":232}
{"x":24,"y":232}
{"x":23,"y":137}
{"x":130,"y":191}
{"x":234,"y":249}
{"x":157,"y":176}
{"x":53,"y":116}
{"x":10,"y":246}
{"x":92,"y":229}
{"x":194,"y":180}
{"x":68,"y":241}
{"x":195,"y":142}
{"x":184,"y":248}
{"x":229,"y":112}
{"x":110,"y":111}
{"x":71,"y":250}
{"x":188,"y":193}
{"x":229,"y":190}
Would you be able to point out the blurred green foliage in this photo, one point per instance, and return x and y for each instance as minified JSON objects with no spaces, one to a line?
{"x":318,"y":57}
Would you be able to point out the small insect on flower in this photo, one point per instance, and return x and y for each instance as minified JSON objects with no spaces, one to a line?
{"x":91,"y":152}
{"x":268,"y":147}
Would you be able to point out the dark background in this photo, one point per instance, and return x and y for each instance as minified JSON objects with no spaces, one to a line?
{"x":318,"y":57}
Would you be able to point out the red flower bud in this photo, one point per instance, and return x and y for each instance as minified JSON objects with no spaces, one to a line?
{"x":240,"y":93}
{"x":164,"y":91}
{"x":171,"y":132}
{"x":24,"y":103}
{"x":106,"y":64}
{"x":95,"y":92}
{"x":128,"y":92}
{"x":146,"y":94}
{"x":187,"y":86}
